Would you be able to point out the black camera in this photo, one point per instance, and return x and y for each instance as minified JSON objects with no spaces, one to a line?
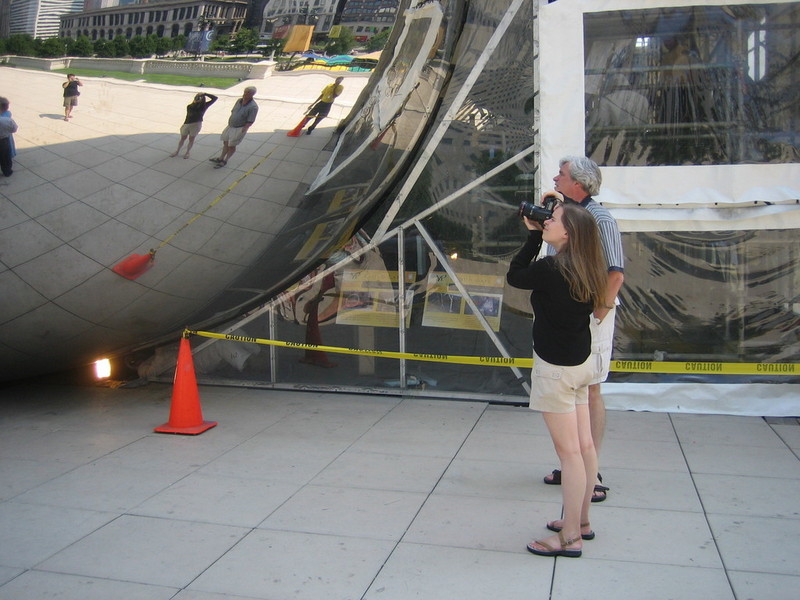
{"x":538,"y":213}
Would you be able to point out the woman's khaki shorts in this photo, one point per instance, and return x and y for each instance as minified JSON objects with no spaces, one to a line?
{"x":191,"y":129}
{"x":558,"y":389}
{"x":70,"y":101}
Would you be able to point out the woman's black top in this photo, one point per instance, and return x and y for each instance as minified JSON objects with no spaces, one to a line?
{"x":561,"y":333}
{"x":71,"y":89}
{"x":196,"y":110}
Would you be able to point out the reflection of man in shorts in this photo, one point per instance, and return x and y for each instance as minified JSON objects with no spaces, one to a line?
{"x":71,"y":94}
{"x":243,"y":115}
{"x":322,"y":105}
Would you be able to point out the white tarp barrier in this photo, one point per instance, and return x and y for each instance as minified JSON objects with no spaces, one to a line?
{"x":745,"y":399}
{"x":562,"y":127}
{"x":753,"y":195}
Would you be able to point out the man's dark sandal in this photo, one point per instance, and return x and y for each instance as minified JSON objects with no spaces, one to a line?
{"x":602,"y":489}
{"x":555,"y":479}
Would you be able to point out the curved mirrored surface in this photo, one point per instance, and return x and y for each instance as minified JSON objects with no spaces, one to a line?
{"x":394,"y":232}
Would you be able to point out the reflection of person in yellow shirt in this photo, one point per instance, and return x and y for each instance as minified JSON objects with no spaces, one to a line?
{"x":322,"y":105}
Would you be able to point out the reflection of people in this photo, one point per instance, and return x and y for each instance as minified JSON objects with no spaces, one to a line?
{"x":322,"y":105}
{"x":194,"y":120}
{"x":7,"y":128}
{"x":5,"y":112}
{"x":565,"y":289}
{"x":243,"y":115}
{"x":489,"y":307}
{"x":578,"y":180}
{"x":71,"y":94}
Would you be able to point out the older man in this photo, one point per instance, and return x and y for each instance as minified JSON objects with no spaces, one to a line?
{"x":578,"y":180}
{"x":243,"y":115}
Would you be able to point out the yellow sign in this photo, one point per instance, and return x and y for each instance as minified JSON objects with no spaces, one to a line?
{"x":299,"y":38}
{"x":446,"y":307}
{"x":372,"y":298}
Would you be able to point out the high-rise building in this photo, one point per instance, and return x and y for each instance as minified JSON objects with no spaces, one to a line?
{"x":40,"y":18}
{"x":167,"y":18}
{"x":367,"y":17}
{"x":5,"y":16}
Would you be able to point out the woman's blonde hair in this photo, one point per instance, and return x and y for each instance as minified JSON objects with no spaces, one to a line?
{"x":581,"y":260}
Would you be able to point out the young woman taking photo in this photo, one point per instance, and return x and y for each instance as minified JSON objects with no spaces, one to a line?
{"x":565,"y":290}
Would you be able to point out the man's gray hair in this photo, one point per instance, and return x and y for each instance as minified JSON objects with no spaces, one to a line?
{"x":585,"y":171}
{"x":250,"y":89}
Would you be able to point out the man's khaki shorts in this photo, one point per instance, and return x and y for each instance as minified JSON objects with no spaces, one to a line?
{"x":232,"y":135}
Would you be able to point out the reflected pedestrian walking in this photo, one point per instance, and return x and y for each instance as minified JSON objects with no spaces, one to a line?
{"x":321,"y":107}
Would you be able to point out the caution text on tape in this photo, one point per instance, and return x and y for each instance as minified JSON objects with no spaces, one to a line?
{"x":619,"y":366}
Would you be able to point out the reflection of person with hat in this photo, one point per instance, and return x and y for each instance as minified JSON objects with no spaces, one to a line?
{"x":322,"y":105}
{"x":194,"y":120}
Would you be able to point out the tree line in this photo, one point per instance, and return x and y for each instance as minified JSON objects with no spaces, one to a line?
{"x":245,"y":41}
{"x":139,"y":46}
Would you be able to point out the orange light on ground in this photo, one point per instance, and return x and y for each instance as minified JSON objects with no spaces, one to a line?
{"x":102,"y":368}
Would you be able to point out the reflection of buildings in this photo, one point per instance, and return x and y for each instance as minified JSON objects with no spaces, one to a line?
{"x":5,"y":17}
{"x":363,"y":18}
{"x":94,"y":4}
{"x":427,"y":132}
{"x":38,"y":18}
{"x":278,"y":13}
{"x":490,"y":126}
{"x":164,"y":19}
{"x":368,"y":17}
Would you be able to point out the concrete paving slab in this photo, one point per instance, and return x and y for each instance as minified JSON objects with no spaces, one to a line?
{"x":296,"y":494}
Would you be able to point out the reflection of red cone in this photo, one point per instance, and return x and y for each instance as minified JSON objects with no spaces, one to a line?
{"x":135,"y":265}
{"x":297,"y":131}
{"x":185,"y":415}
{"x":315,"y":357}
{"x":373,"y":145}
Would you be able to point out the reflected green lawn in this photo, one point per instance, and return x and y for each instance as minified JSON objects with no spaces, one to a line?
{"x":204,"y":81}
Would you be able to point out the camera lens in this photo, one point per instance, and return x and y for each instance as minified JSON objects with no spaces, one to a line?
{"x":533,"y":212}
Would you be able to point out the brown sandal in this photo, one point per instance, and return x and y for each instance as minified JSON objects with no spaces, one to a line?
{"x":584,"y":536}
{"x":550,"y":551}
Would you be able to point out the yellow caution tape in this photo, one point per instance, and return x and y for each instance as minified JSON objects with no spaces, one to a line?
{"x":227,"y":191}
{"x":704,"y":368}
{"x":618,"y":366}
{"x":464,"y":360}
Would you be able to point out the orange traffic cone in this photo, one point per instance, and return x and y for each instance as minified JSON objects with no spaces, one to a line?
{"x":135,"y":265}
{"x":297,"y":131}
{"x":185,"y":415}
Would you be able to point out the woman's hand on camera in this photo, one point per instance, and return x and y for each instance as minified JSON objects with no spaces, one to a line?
{"x":532,"y":225}
{"x":552,"y":194}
